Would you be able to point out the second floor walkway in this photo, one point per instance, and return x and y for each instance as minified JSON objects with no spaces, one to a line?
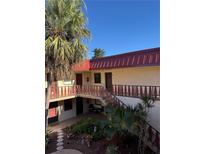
{"x":96,"y":91}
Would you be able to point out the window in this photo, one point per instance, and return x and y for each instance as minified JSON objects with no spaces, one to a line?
{"x":53,"y":105}
{"x":97,"y":77}
{"x":68,"y":105}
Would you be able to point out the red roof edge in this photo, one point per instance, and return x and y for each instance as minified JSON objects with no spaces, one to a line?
{"x":141,"y":58}
{"x":82,"y":66}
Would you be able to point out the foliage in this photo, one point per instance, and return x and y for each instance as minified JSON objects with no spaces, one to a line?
{"x":129,"y":120}
{"x":98,"y":53}
{"x":121,"y":121}
{"x":46,"y":140}
{"x":148,"y":101}
{"x":112,"y":149}
{"x":48,"y":132}
{"x":89,"y":126}
{"x":124,"y":119}
{"x":65,"y":32}
{"x":84,"y":126}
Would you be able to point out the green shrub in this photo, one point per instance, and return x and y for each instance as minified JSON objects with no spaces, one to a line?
{"x":83,"y":126}
{"x":48,"y":132}
{"x":87,"y":127}
{"x":99,"y":134}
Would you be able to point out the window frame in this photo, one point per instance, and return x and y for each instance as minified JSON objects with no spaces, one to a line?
{"x":68,"y":105}
{"x":97,"y":79}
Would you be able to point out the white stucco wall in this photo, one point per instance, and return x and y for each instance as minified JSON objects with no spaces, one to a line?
{"x":154,"y":116}
{"x":85,"y":105}
{"x":153,"y":112}
{"x":64,"y":115}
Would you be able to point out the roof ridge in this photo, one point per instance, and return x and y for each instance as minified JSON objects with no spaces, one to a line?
{"x":127,"y":53}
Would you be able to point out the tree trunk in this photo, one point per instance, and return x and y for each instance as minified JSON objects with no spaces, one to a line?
{"x":47,"y":101}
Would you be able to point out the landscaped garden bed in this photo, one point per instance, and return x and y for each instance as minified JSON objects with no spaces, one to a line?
{"x":118,"y":134}
{"x":124,"y":146}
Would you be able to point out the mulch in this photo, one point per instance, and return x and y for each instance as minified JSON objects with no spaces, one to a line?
{"x":97,"y":147}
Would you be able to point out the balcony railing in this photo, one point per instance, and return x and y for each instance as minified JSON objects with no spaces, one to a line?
{"x":92,"y":90}
{"x":99,"y":91}
{"x":61,"y":92}
{"x":152,"y":138}
{"x":136,"y":91}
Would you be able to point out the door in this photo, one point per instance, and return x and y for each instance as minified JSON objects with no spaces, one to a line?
{"x":108,"y":81}
{"x":79,"y":105}
{"x":79,"y":79}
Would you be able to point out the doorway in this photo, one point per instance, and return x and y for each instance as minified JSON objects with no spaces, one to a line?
{"x":79,"y":105}
{"x":108,"y":81}
{"x":79,"y":79}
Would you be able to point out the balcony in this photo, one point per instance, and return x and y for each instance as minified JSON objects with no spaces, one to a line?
{"x":137,"y":91}
{"x":65,"y":92}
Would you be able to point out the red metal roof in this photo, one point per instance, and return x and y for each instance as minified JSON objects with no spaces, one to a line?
{"x":147,"y":57}
{"x":83,"y":66}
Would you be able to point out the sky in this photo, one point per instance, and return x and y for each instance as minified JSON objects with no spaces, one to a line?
{"x":120,"y":26}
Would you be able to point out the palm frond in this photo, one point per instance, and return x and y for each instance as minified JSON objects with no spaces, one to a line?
{"x":65,"y":29}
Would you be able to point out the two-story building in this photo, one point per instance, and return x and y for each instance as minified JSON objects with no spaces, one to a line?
{"x":122,"y":78}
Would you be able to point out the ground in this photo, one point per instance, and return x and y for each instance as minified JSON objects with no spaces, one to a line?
{"x":97,"y":147}
{"x":74,"y":143}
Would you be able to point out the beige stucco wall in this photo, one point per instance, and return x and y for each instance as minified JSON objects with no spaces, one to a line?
{"x":131,"y":76}
{"x":123,"y":76}
{"x":86,"y":75}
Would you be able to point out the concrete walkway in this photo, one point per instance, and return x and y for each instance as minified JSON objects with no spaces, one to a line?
{"x":67,"y":151}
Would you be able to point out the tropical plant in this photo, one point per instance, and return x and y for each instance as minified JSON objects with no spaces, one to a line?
{"x":84,"y":126}
{"x":124,"y":121}
{"x":98,"y":53}
{"x":148,"y":101}
{"x":47,"y":138}
{"x":65,"y":24}
{"x":89,"y":126}
{"x":140,"y":126}
{"x":126,"y":118}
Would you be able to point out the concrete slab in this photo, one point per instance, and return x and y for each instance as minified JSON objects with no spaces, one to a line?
{"x":60,"y":143}
{"x":60,"y":136}
{"x":60,"y":140}
{"x":67,"y":151}
{"x":59,"y":148}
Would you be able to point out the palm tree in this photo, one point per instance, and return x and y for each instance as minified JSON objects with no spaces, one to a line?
{"x":98,"y":53}
{"x":125,"y":119}
{"x":66,"y":31}
{"x":122,"y":120}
